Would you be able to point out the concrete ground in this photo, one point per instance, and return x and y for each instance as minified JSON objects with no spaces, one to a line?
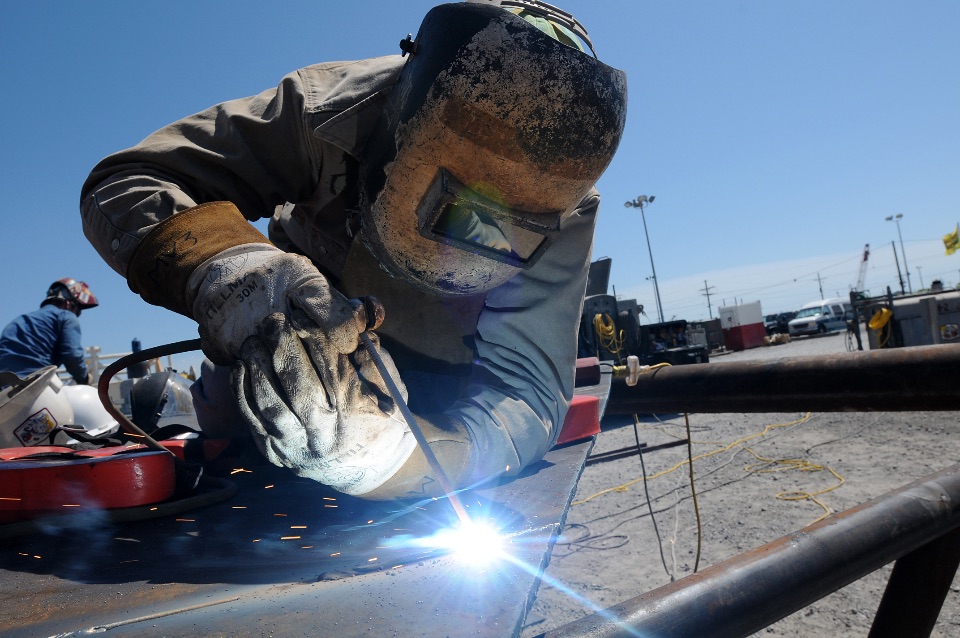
{"x":610,"y":550}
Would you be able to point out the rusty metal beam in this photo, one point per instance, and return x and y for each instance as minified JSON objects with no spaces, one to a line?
{"x":748,"y":592}
{"x":895,"y":380}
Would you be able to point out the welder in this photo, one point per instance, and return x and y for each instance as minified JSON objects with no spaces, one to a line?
{"x":448,"y":189}
{"x":50,"y":335}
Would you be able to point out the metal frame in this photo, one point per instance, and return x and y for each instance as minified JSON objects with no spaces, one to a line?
{"x":917,"y":525}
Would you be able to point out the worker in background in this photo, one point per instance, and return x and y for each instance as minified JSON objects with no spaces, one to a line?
{"x":50,"y":335}
{"x":448,"y":188}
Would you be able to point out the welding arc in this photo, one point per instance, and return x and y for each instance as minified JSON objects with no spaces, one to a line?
{"x":415,"y":428}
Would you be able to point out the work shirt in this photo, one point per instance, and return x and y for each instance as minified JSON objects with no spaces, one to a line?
{"x":300,"y":144}
{"x":44,"y":337}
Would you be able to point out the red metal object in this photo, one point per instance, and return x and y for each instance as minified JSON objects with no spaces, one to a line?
{"x":52,"y":480}
{"x":582,"y":421}
{"x":744,"y":337}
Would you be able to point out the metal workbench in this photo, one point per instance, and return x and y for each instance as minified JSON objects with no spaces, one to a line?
{"x":286,"y":556}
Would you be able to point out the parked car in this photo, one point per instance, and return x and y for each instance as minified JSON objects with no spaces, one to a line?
{"x":778,"y":323}
{"x":821,"y":316}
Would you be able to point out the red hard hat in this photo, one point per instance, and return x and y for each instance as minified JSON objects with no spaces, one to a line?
{"x":77,"y":291}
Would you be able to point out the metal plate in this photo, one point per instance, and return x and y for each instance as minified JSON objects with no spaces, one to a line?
{"x":289,"y":557}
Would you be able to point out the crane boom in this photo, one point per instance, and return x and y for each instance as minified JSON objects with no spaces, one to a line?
{"x":863,"y":268}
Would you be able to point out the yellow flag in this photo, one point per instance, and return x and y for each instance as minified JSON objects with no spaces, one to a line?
{"x":951,"y":241}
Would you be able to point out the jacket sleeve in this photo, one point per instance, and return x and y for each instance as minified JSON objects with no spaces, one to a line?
{"x":518,"y":396}
{"x":527,"y":345}
{"x":70,"y":349}
{"x":254,"y":152}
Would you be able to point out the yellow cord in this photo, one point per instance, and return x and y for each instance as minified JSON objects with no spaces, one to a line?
{"x":606,"y":329}
{"x":781,"y":465}
{"x":729,"y":446}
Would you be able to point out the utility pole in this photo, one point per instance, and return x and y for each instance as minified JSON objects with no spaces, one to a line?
{"x":642,"y":202}
{"x":920,"y":271}
{"x":706,"y":291}
{"x":821,"y":285}
{"x":903,"y":251}
{"x":893,"y":245}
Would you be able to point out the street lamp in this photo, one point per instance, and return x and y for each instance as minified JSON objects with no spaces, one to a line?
{"x":897,"y":218}
{"x":642,"y":202}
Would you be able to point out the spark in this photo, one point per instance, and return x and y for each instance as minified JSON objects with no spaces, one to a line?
{"x":186,"y":520}
{"x":237,"y":470}
{"x":335,"y":554}
{"x":289,"y":538}
{"x":70,"y":505}
{"x":334,"y":506}
{"x":298,"y":527}
{"x":239,"y":507}
{"x":371,"y":560}
{"x":267,"y":487}
{"x":9,"y":498}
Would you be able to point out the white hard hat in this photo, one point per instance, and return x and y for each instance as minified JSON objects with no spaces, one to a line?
{"x":88,"y":411}
{"x":32,"y":407}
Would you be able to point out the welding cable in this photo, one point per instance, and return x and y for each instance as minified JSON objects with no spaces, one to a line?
{"x":103,"y":385}
{"x":693,"y":492}
{"x":646,"y":490}
{"x":729,"y":446}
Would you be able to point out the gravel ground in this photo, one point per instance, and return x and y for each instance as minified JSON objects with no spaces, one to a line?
{"x":610,"y":552}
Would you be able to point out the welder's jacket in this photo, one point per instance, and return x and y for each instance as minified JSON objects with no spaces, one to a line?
{"x":44,"y":337}
{"x":514,"y":347}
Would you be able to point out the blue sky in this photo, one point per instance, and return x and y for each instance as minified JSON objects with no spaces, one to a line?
{"x":776,"y":136}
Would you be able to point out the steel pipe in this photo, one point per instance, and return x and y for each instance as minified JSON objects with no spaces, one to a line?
{"x":748,"y":592}
{"x":895,"y":380}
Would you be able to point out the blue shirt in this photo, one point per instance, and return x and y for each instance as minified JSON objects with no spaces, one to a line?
{"x":44,"y":337}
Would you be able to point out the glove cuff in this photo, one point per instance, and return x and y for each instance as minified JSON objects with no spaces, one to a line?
{"x":178,"y":245}
{"x":451,"y":443}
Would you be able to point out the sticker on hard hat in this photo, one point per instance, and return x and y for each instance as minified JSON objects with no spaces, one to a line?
{"x":36,"y":428}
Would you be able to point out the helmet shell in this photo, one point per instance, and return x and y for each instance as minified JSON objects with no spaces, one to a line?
{"x":72,"y":290}
{"x":30,"y":411}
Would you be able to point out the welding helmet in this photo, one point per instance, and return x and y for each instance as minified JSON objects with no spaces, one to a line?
{"x":493,"y":133}
{"x":71,"y":291}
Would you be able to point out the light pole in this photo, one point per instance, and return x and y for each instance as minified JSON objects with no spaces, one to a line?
{"x":642,"y":202}
{"x":897,"y":218}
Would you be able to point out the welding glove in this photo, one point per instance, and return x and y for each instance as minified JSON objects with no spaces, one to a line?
{"x":239,"y":287}
{"x":335,"y":424}
{"x":313,"y":401}
{"x":318,"y":407}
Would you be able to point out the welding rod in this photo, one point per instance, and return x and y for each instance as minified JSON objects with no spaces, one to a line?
{"x":415,"y":428}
